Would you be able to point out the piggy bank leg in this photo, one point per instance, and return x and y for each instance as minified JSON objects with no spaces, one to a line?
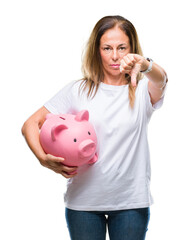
{"x":93,"y":160}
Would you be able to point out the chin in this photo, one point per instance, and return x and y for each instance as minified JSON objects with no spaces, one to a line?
{"x":116,"y":73}
{"x":113,"y":72}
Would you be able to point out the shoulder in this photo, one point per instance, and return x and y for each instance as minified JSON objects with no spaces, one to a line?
{"x":72,"y":85}
{"x":70,"y":88}
{"x":76,"y":84}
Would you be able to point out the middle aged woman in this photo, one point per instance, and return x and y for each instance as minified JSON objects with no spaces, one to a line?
{"x":120,"y":89}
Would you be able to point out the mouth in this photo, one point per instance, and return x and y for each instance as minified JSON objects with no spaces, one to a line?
{"x":115,"y":66}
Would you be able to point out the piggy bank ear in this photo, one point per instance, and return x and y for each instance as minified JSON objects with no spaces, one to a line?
{"x":82,"y":115}
{"x":56,"y":130}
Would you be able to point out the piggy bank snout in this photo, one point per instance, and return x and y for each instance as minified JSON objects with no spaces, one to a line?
{"x":87,"y":148}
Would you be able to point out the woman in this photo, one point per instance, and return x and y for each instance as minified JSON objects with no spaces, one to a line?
{"x":120,"y":89}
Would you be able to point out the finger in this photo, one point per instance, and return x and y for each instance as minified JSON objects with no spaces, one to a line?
{"x":72,"y":171}
{"x":60,"y":160}
{"x":59,"y":168}
{"x":69,"y":169}
{"x":124,"y":67}
{"x":125,"y":71}
{"x":55,"y":159}
{"x":126,"y":64}
{"x":129,"y":60}
{"x":133,"y":79}
{"x":121,"y":68}
{"x":64,"y":174}
{"x":134,"y":74}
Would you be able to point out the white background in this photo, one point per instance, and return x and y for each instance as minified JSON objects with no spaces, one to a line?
{"x":41,"y":43}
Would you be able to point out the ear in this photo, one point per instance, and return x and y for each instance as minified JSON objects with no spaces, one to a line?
{"x":82,"y":116}
{"x":56,"y":130}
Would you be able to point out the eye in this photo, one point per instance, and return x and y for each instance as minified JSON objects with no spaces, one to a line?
{"x":122,"y":49}
{"x":75,"y":140}
{"x":89,"y":133}
{"x":62,"y":118}
{"x":107,"y":49}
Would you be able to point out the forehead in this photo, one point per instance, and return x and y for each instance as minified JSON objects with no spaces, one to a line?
{"x":114,"y":36}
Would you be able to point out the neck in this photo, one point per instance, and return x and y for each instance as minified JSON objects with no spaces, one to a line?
{"x":115,"y":80}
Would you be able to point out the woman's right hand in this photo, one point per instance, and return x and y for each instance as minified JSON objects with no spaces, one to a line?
{"x":57,"y":165}
{"x":30,"y":131}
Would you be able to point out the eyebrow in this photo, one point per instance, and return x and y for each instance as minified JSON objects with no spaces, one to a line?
{"x":120,"y":45}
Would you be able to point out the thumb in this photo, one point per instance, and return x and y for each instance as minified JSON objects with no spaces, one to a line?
{"x":134,"y":73}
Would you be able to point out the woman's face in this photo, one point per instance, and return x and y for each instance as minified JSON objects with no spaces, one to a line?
{"x":114,"y":45}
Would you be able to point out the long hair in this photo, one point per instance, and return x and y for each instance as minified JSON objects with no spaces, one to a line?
{"x":92,"y":64}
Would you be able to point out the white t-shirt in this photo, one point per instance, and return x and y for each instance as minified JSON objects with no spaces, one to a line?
{"x":120,"y":179}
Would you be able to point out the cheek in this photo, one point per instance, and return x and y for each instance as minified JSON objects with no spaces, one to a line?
{"x":105,"y":59}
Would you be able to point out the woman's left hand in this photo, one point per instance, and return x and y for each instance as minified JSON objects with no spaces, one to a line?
{"x":132,"y":64}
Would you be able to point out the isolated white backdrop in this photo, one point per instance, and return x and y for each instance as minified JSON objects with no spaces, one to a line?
{"x":41,"y":43}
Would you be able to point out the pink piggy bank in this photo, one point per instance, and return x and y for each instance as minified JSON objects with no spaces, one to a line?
{"x":71,"y":137}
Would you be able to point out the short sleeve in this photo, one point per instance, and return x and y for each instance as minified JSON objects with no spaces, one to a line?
{"x":62,"y":101}
{"x":149,"y":107}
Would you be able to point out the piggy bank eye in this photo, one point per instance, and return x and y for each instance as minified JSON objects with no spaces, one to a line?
{"x":62,"y":118}
{"x":75,"y":140}
{"x":89,"y":133}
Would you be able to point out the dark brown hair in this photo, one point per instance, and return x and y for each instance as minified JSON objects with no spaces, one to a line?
{"x":92,"y":65}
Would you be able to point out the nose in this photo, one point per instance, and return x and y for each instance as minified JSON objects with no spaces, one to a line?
{"x":87,"y":148}
{"x":115,"y":55}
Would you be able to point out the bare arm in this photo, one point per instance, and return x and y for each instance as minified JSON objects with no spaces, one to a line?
{"x":158,"y":79}
{"x":30,"y":131}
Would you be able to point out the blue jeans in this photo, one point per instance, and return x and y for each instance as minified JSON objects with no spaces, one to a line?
{"x":122,"y":225}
